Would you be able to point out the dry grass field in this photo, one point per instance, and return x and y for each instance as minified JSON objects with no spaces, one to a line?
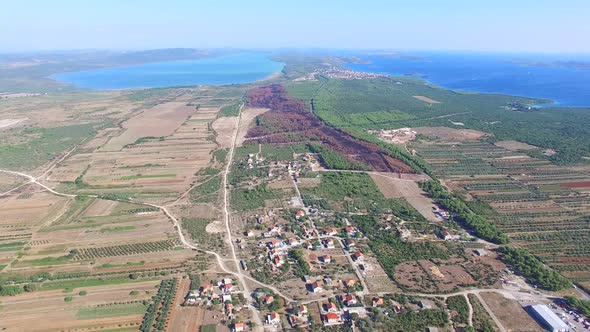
{"x":511,"y":314}
{"x":101,"y":246}
{"x":427,"y":100}
{"x":84,"y":311}
{"x":392,"y":187}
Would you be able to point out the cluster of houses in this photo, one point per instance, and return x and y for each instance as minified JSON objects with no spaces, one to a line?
{"x":294,"y":169}
{"x":333,"y":314}
{"x":279,"y":249}
{"x":208,"y":294}
{"x":316,"y":287}
{"x":340,"y":73}
{"x":299,"y":316}
{"x":253,"y":159}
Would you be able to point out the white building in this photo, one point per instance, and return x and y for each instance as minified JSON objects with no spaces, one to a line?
{"x":548,"y":318}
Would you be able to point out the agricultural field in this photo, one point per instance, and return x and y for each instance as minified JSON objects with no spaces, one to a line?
{"x":95,"y":307}
{"x":166,"y":209}
{"x":93,"y":240}
{"x":541,"y":206}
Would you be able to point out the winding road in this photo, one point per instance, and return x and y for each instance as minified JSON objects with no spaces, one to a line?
{"x":236,"y":270}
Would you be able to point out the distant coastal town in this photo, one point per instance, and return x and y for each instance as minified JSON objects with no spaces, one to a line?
{"x":338,"y":73}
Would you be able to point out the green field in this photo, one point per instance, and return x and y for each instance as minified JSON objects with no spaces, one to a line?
{"x":116,"y":229}
{"x":78,"y":283}
{"x":149,"y":176}
{"x":209,"y":328}
{"x":207,"y":191}
{"x":44,"y":144}
{"x":243,"y":199}
{"x":230,"y":110}
{"x":196,"y":228}
{"x":111,"y":310}
{"x":129,"y":264}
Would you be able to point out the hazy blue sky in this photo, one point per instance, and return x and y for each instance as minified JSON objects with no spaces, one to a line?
{"x":499,"y":25}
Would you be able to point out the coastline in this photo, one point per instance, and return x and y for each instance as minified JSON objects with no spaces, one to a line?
{"x":544,"y":91}
{"x":273,"y":76}
{"x":235,"y":71}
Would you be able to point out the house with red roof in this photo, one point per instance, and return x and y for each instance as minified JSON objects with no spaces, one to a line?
{"x":330,"y":231}
{"x":329,"y":242}
{"x":269,"y":300}
{"x":349,"y":300}
{"x":350,"y":283}
{"x":315,"y":287}
{"x":331,"y":307}
{"x":239,"y":327}
{"x":278,"y":260}
{"x":331,"y":318}
{"x":273,"y":318}
{"x":350,"y":231}
{"x":299,"y":214}
{"x":377,"y":301}
{"x":358,"y":256}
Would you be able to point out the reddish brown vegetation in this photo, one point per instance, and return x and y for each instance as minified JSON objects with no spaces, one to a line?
{"x":276,"y":98}
{"x":289,"y":122}
{"x":584,"y":184}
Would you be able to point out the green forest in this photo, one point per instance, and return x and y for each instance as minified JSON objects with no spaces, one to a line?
{"x":388,"y":103}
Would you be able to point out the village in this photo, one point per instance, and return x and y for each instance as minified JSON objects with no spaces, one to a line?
{"x":316,"y":263}
{"x":337,"y":73}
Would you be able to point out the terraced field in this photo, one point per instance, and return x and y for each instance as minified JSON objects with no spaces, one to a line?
{"x":82,"y":248}
{"x":541,"y":206}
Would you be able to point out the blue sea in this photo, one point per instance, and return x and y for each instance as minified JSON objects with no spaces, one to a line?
{"x":227,"y":69}
{"x":520,"y":75}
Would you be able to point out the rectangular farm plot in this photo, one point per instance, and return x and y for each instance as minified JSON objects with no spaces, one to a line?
{"x":158,"y":121}
{"x":27,"y":210}
{"x":150,"y":169}
{"x":539,"y":205}
{"x":125,"y":225}
{"x":29,"y":311}
{"x":399,"y":188}
{"x":512,"y":316}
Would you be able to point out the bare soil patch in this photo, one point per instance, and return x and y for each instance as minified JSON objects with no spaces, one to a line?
{"x":515,"y":145}
{"x":510,"y":313}
{"x":10,"y":122}
{"x":427,"y":100}
{"x":451,"y":134}
{"x":158,"y":121}
{"x":582,"y":184}
{"x":100,"y":207}
{"x":398,"y":188}
{"x":224,"y":126}
{"x":444,"y":275}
